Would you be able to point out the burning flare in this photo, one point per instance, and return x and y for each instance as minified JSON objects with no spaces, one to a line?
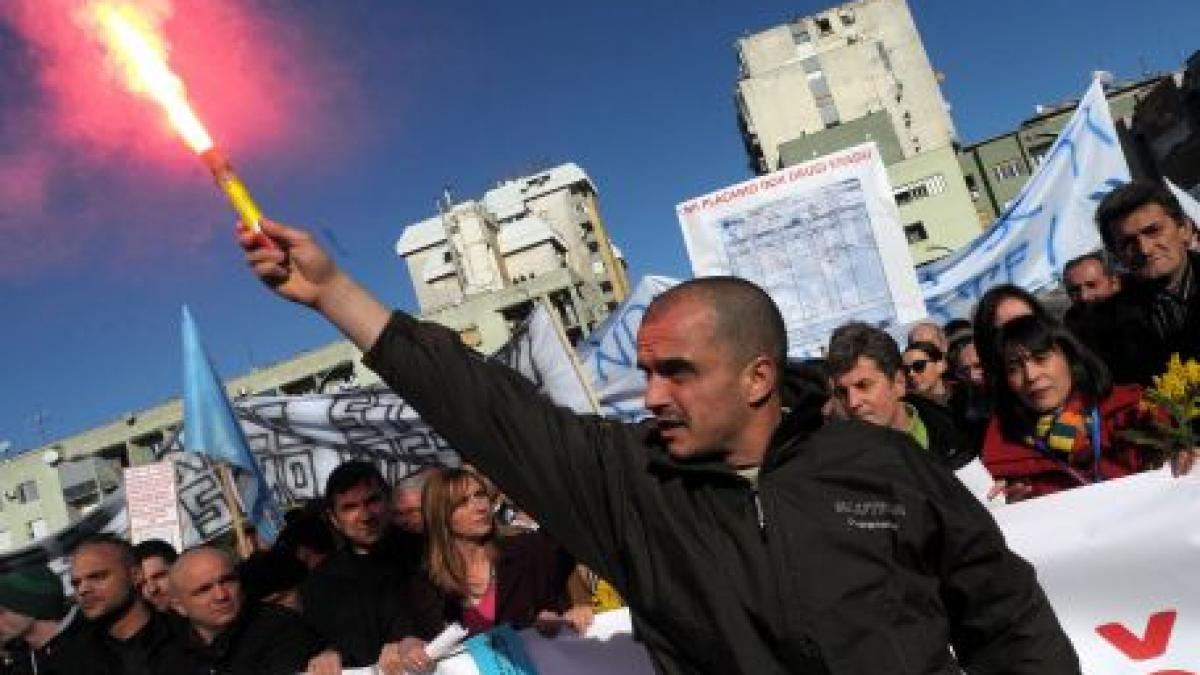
{"x":142,"y":53}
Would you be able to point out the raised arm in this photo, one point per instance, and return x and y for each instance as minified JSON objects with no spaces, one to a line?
{"x":301,"y":271}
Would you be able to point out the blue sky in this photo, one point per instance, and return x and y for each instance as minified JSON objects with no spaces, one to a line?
{"x":363,"y":111}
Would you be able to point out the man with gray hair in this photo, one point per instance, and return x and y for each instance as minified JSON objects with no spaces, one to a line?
{"x":406,"y":503}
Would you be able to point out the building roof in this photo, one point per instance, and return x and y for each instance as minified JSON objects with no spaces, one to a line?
{"x":422,"y":235}
{"x":532,"y":187}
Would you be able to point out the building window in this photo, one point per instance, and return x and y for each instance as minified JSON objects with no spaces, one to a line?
{"x":971,"y":186}
{"x":824,"y":26}
{"x":847,"y":17}
{"x":920,"y":189}
{"x":1007,"y":170}
{"x":38,"y":529}
{"x":27,"y":492}
{"x":800,"y":34}
{"x":915,"y":233}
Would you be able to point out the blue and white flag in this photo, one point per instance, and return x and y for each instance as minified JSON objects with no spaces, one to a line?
{"x":539,"y":351}
{"x":1050,"y":221}
{"x":609,"y":354}
{"x":211,"y":428}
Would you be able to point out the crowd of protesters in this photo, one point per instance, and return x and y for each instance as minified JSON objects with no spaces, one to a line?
{"x":363,"y":578}
{"x":1047,"y":403}
{"x":769,"y":517}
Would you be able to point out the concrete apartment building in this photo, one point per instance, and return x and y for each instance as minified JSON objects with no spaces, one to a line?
{"x":854,"y":73}
{"x":478,"y":265}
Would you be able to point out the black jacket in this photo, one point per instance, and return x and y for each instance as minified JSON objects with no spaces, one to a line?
{"x":158,"y":642}
{"x":69,"y":652}
{"x":359,"y":602}
{"x":264,"y":640}
{"x":853,"y":553}
{"x":1121,"y":332}
{"x":948,"y":445}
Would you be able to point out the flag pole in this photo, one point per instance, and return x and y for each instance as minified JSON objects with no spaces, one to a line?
{"x":225,"y":480}
{"x":561,"y":333}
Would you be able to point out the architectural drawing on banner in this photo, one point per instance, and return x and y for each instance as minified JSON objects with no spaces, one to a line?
{"x":816,"y":255}
{"x":823,"y":238}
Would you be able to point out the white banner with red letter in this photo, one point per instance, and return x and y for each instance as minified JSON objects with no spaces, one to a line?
{"x":1121,"y":564}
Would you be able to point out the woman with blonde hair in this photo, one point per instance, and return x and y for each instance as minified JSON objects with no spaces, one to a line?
{"x":481,"y":579}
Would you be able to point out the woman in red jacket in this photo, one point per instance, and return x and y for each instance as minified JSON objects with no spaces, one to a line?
{"x":1058,"y":420}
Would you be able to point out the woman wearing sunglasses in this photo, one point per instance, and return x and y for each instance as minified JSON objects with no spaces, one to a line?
{"x":1058,"y":419}
{"x":925,"y":370}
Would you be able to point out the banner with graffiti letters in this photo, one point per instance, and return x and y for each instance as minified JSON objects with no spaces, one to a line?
{"x":299,"y":440}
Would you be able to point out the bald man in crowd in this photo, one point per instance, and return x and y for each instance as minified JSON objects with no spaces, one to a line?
{"x":228,"y":635}
{"x":128,"y":635}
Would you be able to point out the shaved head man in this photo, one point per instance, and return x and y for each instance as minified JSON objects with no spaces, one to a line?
{"x":206,"y":590}
{"x":231,"y":636}
{"x":713,"y":352}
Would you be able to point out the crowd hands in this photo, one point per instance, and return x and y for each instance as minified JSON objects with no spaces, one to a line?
{"x":1047,"y":400}
{"x":367,"y":576}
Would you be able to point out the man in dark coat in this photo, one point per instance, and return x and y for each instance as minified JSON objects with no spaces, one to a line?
{"x":745,"y":537}
{"x":127,"y":635}
{"x":358,"y":597}
{"x":40,"y":631}
{"x":1157,"y":311}
{"x":226,"y":634}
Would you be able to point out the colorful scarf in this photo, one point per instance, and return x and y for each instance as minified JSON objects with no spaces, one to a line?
{"x":1062,"y":433}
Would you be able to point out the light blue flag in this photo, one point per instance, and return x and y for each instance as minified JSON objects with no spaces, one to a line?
{"x":1050,"y":221}
{"x":211,"y":428}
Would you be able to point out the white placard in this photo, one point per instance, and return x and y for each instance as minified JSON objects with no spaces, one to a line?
{"x":153,"y":503}
{"x":822,"y":237}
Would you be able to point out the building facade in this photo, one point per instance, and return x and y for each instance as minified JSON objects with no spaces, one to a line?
{"x":821,"y":71}
{"x":996,"y":168}
{"x":855,"y":73}
{"x":478,"y":265}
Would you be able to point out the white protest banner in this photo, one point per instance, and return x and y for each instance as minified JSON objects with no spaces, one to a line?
{"x":609,"y":354}
{"x":539,"y":351}
{"x":823,"y":238}
{"x":153,"y":503}
{"x":1050,"y":221}
{"x":1118,"y":561}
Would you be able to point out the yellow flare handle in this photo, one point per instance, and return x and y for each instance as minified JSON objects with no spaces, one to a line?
{"x":242,"y":202}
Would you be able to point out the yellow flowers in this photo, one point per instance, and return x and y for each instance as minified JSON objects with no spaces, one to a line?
{"x":1180,"y":385}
